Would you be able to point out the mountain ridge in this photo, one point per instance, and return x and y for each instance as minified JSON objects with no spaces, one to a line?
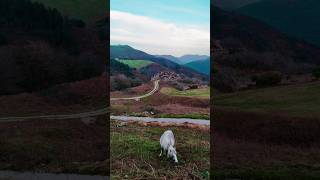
{"x":127,"y":52}
{"x":202,"y":66}
{"x":187,"y":58}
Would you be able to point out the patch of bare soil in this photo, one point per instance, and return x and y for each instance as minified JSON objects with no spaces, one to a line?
{"x":180,"y":109}
{"x":162,"y":104}
{"x":157,"y":124}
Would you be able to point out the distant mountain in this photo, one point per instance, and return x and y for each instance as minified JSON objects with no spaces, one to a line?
{"x":189,"y":58}
{"x":232,"y":4}
{"x":297,"y":18}
{"x":184,"y":59}
{"x":127,"y":52}
{"x":170,"y":57}
{"x":202,"y":66}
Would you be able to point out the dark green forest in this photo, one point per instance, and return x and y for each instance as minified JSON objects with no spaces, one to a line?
{"x":40,"y":47}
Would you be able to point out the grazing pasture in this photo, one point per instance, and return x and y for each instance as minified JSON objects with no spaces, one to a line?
{"x":196,"y":93}
{"x":135,"y":153}
{"x":295,"y":100}
{"x":135,"y":63}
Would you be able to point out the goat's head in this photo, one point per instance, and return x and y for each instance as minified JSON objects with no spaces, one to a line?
{"x":173,"y":153}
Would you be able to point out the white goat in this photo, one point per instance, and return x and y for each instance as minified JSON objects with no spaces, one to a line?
{"x":167,"y":144}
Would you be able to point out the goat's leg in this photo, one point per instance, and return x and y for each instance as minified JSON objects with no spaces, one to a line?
{"x":160,"y":153}
{"x":168,"y":153}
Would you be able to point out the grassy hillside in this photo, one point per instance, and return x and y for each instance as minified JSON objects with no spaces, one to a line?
{"x":40,"y":48}
{"x":297,"y":100}
{"x":199,"y":93}
{"x":87,"y":10}
{"x":136,"y":63}
{"x":268,"y":133}
{"x":243,"y":47}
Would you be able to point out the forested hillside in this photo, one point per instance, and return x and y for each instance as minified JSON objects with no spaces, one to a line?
{"x":86,"y":10}
{"x":297,"y":18}
{"x":245,"y":48}
{"x":40,"y":47}
{"x":232,"y":4}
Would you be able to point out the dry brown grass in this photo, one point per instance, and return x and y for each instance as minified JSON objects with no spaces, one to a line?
{"x":261,"y":146}
{"x":54,"y":146}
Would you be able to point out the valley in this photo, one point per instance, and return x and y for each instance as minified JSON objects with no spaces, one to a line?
{"x":156,"y":101}
{"x":168,"y":96}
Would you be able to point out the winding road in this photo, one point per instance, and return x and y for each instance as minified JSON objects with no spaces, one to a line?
{"x":137,"y":98}
{"x":60,"y":116}
{"x":105,"y":111}
{"x":78,"y":115}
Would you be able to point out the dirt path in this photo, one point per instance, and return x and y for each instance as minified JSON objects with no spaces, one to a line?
{"x":137,"y":98}
{"x":65,"y":116}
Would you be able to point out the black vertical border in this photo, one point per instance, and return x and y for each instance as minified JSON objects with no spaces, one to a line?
{"x":108,"y":139}
{"x":211,"y":96}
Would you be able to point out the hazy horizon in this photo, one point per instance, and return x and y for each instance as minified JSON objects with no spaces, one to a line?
{"x":160,"y":54}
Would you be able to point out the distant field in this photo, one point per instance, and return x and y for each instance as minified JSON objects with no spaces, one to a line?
{"x":298,"y":100}
{"x":87,"y":10}
{"x":135,"y":153}
{"x":198,"y":93}
{"x":136,"y":63}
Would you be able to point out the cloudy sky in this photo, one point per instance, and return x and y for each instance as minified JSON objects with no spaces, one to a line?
{"x":174,"y":27}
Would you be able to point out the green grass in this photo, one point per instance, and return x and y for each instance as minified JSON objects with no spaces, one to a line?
{"x":190,"y":115}
{"x":198,"y":93}
{"x":135,"y":153}
{"x":136,"y":63}
{"x":297,"y":100}
{"x":87,"y":10}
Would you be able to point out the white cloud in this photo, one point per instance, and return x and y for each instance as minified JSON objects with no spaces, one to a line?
{"x":157,"y":37}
